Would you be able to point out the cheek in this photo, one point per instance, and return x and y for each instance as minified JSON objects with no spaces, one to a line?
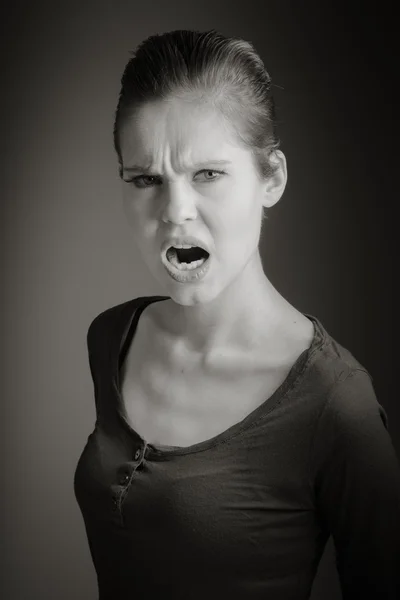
{"x":242,"y":229}
{"x":241,"y":217}
{"x":134,"y":218}
{"x":130,"y":207}
{"x":143,"y":227}
{"x":137,"y":214}
{"x":236,"y":242}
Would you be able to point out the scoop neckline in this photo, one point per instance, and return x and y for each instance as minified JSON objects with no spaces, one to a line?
{"x":296,"y":371}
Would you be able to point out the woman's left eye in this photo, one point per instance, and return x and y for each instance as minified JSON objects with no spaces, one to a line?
{"x":210,"y":171}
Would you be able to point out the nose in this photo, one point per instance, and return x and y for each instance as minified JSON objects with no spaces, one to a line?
{"x":178,"y":203}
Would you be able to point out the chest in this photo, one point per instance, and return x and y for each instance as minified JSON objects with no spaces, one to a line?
{"x":183,"y":404}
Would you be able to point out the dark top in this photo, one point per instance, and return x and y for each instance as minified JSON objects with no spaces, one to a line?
{"x":245,"y":514}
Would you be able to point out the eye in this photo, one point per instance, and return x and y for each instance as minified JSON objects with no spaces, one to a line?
{"x":142,"y":181}
{"x":146,"y":181}
{"x":207,"y":171}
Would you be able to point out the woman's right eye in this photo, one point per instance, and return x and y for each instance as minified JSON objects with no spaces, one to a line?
{"x":140,"y":181}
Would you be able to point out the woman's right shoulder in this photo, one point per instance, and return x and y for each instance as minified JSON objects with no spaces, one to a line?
{"x":106,"y":321}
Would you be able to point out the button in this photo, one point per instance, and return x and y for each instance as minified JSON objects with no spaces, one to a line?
{"x":137,"y":454}
{"x":124,"y":479}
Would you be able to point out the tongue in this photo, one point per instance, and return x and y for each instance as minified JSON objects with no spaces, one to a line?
{"x":171,"y":253}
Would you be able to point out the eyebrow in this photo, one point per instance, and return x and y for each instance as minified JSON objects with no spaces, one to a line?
{"x":141,"y":169}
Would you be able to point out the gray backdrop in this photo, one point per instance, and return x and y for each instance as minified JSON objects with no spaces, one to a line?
{"x":328,"y":245}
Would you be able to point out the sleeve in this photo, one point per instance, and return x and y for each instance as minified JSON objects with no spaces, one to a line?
{"x":98,"y":348}
{"x":356,"y":477}
{"x":93,"y":349}
{"x":90,"y":350}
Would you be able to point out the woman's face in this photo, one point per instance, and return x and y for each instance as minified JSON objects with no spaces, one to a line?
{"x":175,"y":183}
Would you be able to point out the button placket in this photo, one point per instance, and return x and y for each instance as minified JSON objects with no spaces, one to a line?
{"x":123,"y":482}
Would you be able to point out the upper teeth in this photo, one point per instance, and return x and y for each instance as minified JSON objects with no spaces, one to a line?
{"x":184,"y":246}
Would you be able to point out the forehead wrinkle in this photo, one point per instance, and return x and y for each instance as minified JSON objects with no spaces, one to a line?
{"x":173,"y":158}
{"x":166,"y":146}
{"x":166,"y":138}
{"x":177,"y":149}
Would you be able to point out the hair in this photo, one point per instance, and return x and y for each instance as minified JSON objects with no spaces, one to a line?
{"x":228,"y":72}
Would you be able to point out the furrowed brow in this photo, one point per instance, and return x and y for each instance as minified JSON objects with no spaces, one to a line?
{"x":148,"y":168}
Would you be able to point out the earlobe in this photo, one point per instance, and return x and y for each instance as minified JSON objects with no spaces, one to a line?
{"x":275,"y":186}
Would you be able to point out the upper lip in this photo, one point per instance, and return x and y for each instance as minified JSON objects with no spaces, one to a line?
{"x":184,"y":239}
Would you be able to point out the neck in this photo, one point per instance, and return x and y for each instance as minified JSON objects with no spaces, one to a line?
{"x":241,"y":316}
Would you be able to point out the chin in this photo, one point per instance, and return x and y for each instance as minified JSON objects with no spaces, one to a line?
{"x":188,"y":297}
{"x":190,"y":294}
{"x":195,"y":293}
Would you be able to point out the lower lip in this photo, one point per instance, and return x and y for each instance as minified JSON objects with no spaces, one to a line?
{"x":188,"y":276}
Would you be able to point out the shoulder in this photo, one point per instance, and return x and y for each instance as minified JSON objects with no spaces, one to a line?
{"x":329,"y":364}
{"x":351,"y":428}
{"x":103,"y":320}
{"x":352,"y":402}
{"x":342,"y":387}
{"x":109,"y":320}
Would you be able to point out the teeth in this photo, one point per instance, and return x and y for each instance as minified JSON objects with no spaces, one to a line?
{"x":186,"y":246}
{"x":185,"y":266}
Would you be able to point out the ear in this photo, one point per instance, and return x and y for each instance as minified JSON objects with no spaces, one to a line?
{"x":275,"y":185}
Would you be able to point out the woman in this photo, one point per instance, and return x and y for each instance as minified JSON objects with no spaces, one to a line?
{"x":233,"y":434}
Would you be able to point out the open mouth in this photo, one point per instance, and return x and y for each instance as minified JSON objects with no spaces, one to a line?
{"x":187,"y":259}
